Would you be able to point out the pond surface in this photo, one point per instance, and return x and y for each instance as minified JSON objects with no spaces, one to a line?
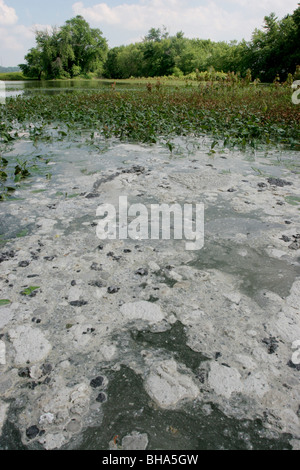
{"x":46,"y":87}
{"x":119,"y":322}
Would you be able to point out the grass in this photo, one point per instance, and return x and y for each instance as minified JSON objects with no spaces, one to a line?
{"x":13,"y":76}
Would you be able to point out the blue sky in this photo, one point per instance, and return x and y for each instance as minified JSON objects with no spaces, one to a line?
{"x":123,"y":22}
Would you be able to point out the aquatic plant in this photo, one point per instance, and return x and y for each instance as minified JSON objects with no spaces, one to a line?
{"x":238,"y":116}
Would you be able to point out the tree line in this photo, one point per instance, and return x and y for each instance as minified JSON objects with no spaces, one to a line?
{"x":76,"y":49}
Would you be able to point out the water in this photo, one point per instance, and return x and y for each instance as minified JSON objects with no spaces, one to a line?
{"x":188,"y":429}
{"x":193,"y":428}
{"x":219,"y":304}
{"x":30,"y":87}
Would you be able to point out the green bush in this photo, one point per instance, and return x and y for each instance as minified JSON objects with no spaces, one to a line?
{"x":76,"y":71}
{"x":11,"y":76}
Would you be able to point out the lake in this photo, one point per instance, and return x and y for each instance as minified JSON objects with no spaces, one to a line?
{"x":28,"y":87}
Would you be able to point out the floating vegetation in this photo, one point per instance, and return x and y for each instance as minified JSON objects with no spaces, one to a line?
{"x":246,"y":117}
{"x":15,"y":170}
{"x":238,"y":117}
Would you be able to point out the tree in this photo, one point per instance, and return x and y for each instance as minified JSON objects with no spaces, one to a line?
{"x":88,"y":45}
{"x":34,"y":66}
{"x":156,"y":35}
{"x":273,"y":50}
{"x":67,"y":51}
{"x":124,"y":62}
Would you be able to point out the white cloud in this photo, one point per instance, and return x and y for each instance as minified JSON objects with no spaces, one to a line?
{"x":40,"y":27}
{"x":8,"y":14}
{"x":258,"y":7}
{"x":15,"y":39}
{"x":205,"y":21}
{"x":226,"y":20}
{"x":15,"y":42}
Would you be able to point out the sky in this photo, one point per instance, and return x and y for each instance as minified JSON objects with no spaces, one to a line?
{"x":125,"y":22}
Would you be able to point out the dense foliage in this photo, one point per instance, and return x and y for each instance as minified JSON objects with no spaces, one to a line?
{"x":69,"y":51}
{"x":76,"y":49}
{"x":271,"y":52}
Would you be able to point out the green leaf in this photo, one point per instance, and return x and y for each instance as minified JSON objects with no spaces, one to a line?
{"x":23,"y":233}
{"x":29,"y":290}
{"x":4,"y":302}
{"x":293,"y":200}
{"x":17,"y":178}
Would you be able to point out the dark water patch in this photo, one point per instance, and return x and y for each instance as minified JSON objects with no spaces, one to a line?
{"x":172,"y":341}
{"x":256,"y":271}
{"x":10,"y":228}
{"x":128,"y":408}
{"x":10,"y":439}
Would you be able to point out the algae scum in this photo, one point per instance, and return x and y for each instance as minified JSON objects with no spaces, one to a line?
{"x":141,"y":344}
